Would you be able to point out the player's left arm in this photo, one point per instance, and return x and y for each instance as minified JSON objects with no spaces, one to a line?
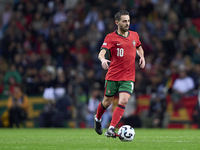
{"x":140,"y":52}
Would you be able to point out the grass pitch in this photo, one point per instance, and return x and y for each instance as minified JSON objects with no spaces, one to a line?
{"x":87,"y":139}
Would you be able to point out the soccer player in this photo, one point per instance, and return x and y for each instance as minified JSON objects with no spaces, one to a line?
{"x":122,"y":46}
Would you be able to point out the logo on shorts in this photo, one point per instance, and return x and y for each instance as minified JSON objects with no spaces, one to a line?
{"x":108,"y":91}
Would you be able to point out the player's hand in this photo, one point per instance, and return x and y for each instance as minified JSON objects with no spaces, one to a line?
{"x":142,"y":62}
{"x":104,"y":63}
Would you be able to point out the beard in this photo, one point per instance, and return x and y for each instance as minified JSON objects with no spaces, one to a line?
{"x":124,"y":29}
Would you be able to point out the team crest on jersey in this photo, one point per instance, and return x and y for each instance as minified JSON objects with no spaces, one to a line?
{"x":133,"y":43}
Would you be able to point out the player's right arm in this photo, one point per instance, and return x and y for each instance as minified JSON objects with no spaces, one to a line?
{"x":104,"y":62}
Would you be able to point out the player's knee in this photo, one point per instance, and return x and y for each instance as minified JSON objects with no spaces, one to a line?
{"x":123,"y":101}
{"x":106,"y":104}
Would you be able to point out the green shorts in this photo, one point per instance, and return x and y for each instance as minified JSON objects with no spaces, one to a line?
{"x":113,"y":87}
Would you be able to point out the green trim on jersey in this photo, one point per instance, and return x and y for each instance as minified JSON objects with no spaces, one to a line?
{"x":113,"y":87}
{"x":104,"y":48}
{"x":122,"y":35}
{"x":107,"y":55}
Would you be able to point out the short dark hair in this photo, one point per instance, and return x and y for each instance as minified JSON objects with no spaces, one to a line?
{"x":120,"y":13}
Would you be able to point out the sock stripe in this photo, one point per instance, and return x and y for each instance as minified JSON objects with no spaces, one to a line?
{"x":100,"y":111}
{"x":102,"y":106}
{"x":117,"y":115}
{"x":121,"y":106}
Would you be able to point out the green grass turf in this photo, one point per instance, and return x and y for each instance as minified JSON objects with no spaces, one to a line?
{"x":87,"y":139}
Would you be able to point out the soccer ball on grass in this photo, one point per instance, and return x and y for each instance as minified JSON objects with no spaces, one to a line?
{"x":126,"y":133}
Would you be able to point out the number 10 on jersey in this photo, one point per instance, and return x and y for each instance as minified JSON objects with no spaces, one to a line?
{"x":120,"y":52}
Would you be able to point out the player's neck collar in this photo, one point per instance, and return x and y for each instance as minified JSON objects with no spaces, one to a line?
{"x":122,"y":35}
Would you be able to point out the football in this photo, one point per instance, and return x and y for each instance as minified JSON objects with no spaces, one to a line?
{"x":126,"y":133}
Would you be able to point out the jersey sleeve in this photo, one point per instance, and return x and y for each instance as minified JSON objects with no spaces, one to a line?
{"x":107,"y":44}
{"x":138,"y":44}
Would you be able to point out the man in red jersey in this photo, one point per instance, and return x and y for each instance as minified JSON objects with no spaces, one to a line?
{"x":122,"y":46}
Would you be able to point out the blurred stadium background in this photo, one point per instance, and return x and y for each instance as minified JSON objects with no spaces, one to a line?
{"x":50,"y":48}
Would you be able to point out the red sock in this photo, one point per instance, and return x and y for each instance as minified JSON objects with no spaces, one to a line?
{"x":117,"y":115}
{"x":100,"y":111}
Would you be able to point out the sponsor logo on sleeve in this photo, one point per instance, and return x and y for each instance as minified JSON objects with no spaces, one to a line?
{"x":104,"y":44}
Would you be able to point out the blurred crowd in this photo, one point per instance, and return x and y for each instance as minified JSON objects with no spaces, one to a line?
{"x":54,"y":44}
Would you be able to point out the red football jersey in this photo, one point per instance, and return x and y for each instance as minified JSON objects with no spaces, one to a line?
{"x":122,"y":55}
